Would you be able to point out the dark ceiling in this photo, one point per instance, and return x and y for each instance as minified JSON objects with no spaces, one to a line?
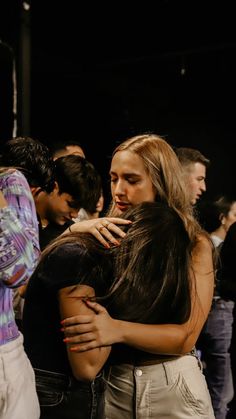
{"x":103,"y":72}
{"x":93,"y":37}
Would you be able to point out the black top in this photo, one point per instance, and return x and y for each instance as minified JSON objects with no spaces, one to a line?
{"x":49,"y":233}
{"x":227,"y":271}
{"x":70,"y":264}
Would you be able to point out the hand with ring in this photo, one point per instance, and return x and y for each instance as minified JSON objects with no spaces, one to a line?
{"x":104,"y":226}
{"x":105,"y":229}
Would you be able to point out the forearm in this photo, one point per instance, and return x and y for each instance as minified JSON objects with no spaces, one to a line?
{"x":157,"y":339}
{"x":100,"y":330}
{"x":87,"y":365}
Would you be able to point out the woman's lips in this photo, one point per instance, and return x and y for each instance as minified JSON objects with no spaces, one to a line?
{"x":123,"y":206}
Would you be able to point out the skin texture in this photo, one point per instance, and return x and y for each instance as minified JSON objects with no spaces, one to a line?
{"x":104,"y":229}
{"x":86,"y":365}
{"x":230,"y":218}
{"x":130,"y":184}
{"x":226,"y":221}
{"x":196,"y":180}
{"x":54,"y":207}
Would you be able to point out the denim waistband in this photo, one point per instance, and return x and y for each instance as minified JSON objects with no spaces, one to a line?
{"x":58,"y":381}
{"x":63,"y":382}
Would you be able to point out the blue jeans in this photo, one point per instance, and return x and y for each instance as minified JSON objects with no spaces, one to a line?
{"x":64,"y":397}
{"x":214,"y":344}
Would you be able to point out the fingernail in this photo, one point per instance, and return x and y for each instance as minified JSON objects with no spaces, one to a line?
{"x":66,"y":340}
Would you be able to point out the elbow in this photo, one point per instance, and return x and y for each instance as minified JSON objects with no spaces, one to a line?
{"x":187,"y":344}
{"x":88,"y":373}
{"x":85,"y":367}
{"x":186,"y":348}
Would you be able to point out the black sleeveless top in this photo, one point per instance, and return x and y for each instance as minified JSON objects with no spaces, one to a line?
{"x":43,"y":339}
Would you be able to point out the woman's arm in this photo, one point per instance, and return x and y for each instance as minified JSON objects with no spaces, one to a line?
{"x":86,"y":365}
{"x":105,"y":229}
{"x":101,"y":330}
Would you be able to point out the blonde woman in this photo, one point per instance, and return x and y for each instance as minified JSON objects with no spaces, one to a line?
{"x":169,"y":383}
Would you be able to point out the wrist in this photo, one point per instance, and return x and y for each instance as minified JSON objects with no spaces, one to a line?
{"x":119,"y":327}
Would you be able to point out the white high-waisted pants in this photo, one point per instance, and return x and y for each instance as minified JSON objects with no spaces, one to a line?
{"x":171,"y":390}
{"x":18,"y":397}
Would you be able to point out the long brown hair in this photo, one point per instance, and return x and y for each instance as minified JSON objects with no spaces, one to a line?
{"x":152,"y":267}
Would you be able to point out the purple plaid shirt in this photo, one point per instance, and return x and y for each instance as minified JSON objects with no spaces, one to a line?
{"x":19,"y":245}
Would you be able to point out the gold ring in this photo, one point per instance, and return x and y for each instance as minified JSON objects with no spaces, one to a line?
{"x":101,"y":228}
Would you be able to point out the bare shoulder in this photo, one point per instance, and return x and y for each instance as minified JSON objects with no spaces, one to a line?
{"x":202,"y":254}
{"x":71,"y":300}
{"x":203,"y":244}
{"x":80,"y":291}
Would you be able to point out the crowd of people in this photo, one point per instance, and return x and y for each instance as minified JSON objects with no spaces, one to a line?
{"x":126,"y":313}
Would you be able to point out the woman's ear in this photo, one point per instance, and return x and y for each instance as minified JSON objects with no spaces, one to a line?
{"x":35,"y":190}
{"x":56,"y":187}
{"x":222,"y":219}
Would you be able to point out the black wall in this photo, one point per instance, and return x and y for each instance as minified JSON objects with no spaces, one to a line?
{"x":101,"y":75}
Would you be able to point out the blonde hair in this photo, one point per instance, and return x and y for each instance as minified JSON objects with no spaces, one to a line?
{"x":165,"y":171}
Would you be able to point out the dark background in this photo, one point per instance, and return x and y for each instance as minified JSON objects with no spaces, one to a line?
{"x":107,"y":71}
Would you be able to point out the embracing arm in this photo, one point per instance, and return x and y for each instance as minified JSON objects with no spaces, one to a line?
{"x":105,"y":230}
{"x":100,"y":329}
{"x":86,"y":365}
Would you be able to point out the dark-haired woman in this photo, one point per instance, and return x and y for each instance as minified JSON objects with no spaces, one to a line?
{"x":69,"y":385}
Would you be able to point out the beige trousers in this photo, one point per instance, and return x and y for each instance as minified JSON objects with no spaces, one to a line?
{"x":171,"y":390}
{"x":18,"y":397}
